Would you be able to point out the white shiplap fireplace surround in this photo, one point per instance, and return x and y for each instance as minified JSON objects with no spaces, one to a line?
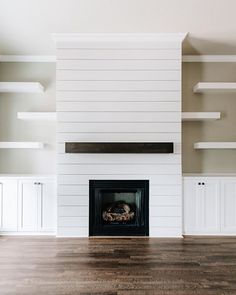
{"x":119,"y":88}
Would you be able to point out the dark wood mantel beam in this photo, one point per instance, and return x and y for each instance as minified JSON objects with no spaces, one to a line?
{"x":117,"y":147}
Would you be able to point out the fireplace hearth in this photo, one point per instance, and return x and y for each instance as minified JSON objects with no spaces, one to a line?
{"x":118,"y":207}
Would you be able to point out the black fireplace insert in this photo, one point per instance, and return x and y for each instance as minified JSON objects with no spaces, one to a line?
{"x":118,"y":207}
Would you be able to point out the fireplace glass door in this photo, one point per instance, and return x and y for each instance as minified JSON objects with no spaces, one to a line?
{"x":118,"y":207}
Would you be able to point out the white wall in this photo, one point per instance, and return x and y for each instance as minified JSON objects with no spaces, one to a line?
{"x":119,"y":92}
{"x":26,"y":26}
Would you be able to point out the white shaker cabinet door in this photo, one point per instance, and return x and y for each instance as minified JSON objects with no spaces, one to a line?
{"x":201,"y":206}
{"x":47,"y":205}
{"x":28,"y":206}
{"x":191,"y":195}
{"x":228,"y":206}
{"x":8,"y":205}
{"x":210,"y":204}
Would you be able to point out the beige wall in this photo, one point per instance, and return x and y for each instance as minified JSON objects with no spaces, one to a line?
{"x":220,"y":130}
{"x":12,"y":129}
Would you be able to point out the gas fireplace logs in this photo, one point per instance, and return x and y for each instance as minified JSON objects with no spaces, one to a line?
{"x":119,"y":211}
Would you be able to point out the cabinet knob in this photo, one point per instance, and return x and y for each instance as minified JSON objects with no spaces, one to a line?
{"x":199,"y":183}
{"x":203,"y":183}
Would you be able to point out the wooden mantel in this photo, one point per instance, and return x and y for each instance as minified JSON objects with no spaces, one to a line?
{"x":124,"y":147}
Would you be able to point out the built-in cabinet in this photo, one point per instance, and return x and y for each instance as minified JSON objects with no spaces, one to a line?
{"x":28,"y":204}
{"x":209,"y":205}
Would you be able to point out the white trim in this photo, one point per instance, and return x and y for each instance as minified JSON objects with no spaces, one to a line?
{"x":28,"y":58}
{"x":215,"y":145}
{"x":209,"y":58}
{"x":15,"y":233}
{"x":130,"y":37}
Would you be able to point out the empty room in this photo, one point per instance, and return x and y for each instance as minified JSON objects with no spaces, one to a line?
{"x":117,"y":147}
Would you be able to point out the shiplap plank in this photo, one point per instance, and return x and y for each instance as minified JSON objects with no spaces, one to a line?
{"x":165,"y":190}
{"x":159,"y":179}
{"x":118,"y":85}
{"x":118,"y":106}
{"x":119,"y":137}
{"x":72,"y":231}
{"x":118,"y":159}
{"x":118,"y":96}
{"x":81,"y":190}
{"x":156,"y":211}
{"x":119,"y":45}
{"x":73,"y":200}
{"x":165,"y":221}
{"x":118,"y":169}
{"x":76,"y":75}
{"x":164,"y":127}
{"x":64,"y":211}
{"x":73,"y":190}
{"x":151,"y":116}
{"x":80,"y":221}
{"x":119,"y":65}
{"x":160,"y":201}
{"x":118,"y":53}
{"x":168,"y":231}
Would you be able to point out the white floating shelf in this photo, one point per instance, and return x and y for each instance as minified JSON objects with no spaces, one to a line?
{"x":215,"y":145}
{"x":23,"y":87}
{"x":21,"y":145}
{"x":214,"y":87}
{"x":28,"y":58}
{"x":209,"y":58}
{"x":200,"y":116}
{"x":37,"y":116}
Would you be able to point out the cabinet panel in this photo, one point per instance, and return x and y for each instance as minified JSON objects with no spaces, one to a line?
{"x":47,"y":205}
{"x":28,"y":206}
{"x":8,"y":205}
{"x":228,"y":206}
{"x":210,"y":206}
{"x":190,"y":206}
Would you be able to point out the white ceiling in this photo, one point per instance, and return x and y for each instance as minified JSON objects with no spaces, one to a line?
{"x":26,"y":25}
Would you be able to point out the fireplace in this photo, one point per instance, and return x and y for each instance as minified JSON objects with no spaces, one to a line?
{"x":118,"y":207}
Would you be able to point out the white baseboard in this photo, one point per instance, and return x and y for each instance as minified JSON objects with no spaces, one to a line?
{"x":11,"y":233}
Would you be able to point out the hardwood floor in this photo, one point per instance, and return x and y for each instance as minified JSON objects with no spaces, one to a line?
{"x":136,"y":266}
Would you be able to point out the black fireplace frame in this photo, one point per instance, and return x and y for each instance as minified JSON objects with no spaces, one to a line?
{"x":96,"y":228}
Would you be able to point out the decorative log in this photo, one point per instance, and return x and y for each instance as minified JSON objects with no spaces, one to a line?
{"x":119,"y":211}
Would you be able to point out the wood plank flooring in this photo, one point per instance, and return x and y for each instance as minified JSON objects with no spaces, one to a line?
{"x":136,"y":266}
